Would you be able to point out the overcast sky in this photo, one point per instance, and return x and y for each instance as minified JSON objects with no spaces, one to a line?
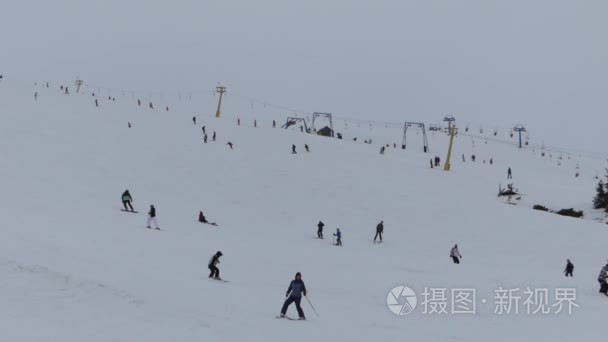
{"x":543,"y":63}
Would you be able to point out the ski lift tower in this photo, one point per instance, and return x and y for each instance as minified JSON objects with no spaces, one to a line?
{"x":519,"y":129}
{"x":449,"y":119}
{"x":315,"y":115}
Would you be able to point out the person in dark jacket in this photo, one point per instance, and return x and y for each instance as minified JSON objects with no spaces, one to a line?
{"x":213,"y":262}
{"x":509,"y":174}
{"x":294,"y":295}
{"x":201,"y":217}
{"x":320,"y":230}
{"x":602,"y":280}
{"x":152,"y":217}
{"x":569,"y":269}
{"x":293,"y":149}
{"x":306,"y":148}
{"x":126,"y":200}
{"x":379,"y":231}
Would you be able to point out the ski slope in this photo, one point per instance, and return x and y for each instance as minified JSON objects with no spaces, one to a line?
{"x":73,"y":267}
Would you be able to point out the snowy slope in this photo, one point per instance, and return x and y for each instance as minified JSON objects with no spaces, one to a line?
{"x":73,"y":267}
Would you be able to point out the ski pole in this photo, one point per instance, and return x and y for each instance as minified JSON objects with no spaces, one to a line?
{"x":313,"y":308}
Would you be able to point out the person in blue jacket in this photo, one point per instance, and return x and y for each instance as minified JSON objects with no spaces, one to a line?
{"x":338,"y":235}
{"x":294,"y":295}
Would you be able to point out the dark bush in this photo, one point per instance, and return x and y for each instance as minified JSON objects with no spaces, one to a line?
{"x":570,"y":212}
{"x":540,"y":207}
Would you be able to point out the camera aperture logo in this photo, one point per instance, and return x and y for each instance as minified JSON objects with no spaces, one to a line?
{"x":401,"y":300}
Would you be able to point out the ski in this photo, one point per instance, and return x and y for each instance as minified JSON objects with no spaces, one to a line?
{"x":129,"y":211}
{"x":289,"y":318}
{"x":153,"y":228}
{"x":221,"y":280}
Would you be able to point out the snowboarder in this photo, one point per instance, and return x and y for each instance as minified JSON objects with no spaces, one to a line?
{"x":379,"y":231}
{"x":509,"y":174}
{"x":152,"y":217}
{"x":569,"y":269}
{"x":294,"y":295}
{"x":602,"y":280}
{"x":126,"y":200}
{"x":213,"y":136}
{"x":194,"y":120}
{"x":306,"y":148}
{"x":213,"y":262}
{"x":320,"y":230}
{"x":293,"y":149}
{"x":229,"y":144}
{"x":201,"y":217}
{"x":455,"y":254}
{"x":338,"y":235}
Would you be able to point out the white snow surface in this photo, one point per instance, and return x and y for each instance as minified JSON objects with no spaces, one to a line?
{"x":73,"y":267}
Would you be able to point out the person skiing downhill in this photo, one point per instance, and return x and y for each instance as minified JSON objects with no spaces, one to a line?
{"x":338,"y":235}
{"x":509,"y":174}
{"x":569,"y":269}
{"x":379,"y":231}
{"x":455,"y":254}
{"x":152,"y":217}
{"x":213,"y":262}
{"x":602,"y":280}
{"x":126,"y":200}
{"x":293,"y":149}
{"x":294,"y":295}
{"x":320,"y":230}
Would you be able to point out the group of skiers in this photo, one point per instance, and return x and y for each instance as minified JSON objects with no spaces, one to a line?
{"x":293,"y":148}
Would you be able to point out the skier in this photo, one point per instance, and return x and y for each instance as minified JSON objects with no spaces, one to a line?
{"x":293,"y":149}
{"x":320,"y":230}
{"x":382,"y":150}
{"x":205,"y":138}
{"x":238,"y":122}
{"x":213,"y":136}
{"x":126,"y":200}
{"x":306,"y":148}
{"x":569,"y":269}
{"x":35,"y":96}
{"x":96,"y":103}
{"x":463,"y":160}
{"x":509,"y":175}
{"x":491,"y":161}
{"x":431,"y":163}
{"x":138,"y":102}
{"x":129,"y":124}
{"x":602,"y":280}
{"x":201,"y":217}
{"x":213,"y":262}
{"x":152,"y":217}
{"x":379,"y":231}
{"x":455,"y":254}
{"x":151,"y":106}
{"x":473,"y":157}
{"x":294,"y":295}
{"x":255,"y":123}
{"x":338,"y":235}
{"x":194,"y":120}
{"x":274,"y":124}
{"x":229,"y":144}
{"x":204,"y":132}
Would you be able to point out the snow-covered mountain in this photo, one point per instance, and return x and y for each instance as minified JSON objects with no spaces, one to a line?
{"x":73,"y":267}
